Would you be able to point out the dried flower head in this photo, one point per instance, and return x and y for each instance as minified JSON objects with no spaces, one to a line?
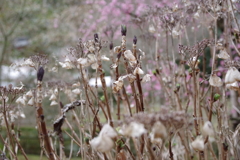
{"x":215,"y":81}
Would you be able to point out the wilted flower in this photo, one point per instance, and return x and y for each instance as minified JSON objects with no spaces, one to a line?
{"x":117,"y":85}
{"x":146,"y":78}
{"x":130,"y":57}
{"x":134,"y":129}
{"x":21,"y":100}
{"x":104,"y":58}
{"x":215,"y":81}
{"x":234,"y":86}
{"x":76,"y":84}
{"x":159,"y":132}
{"x":117,"y":49}
{"x":223,"y":54}
{"x":53,"y":97}
{"x":232,"y":75}
{"x":29,"y":93}
{"x":83,"y":61}
{"x":151,"y":28}
{"x":138,"y":70}
{"x":198,"y":144}
{"x":207,"y":129}
{"x":76,"y":91}
{"x":53,"y":103}
{"x":31,"y":102}
{"x":103,"y":142}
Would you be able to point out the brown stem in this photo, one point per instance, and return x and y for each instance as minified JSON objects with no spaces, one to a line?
{"x":41,"y":123}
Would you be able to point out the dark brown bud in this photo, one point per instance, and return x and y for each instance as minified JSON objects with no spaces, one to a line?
{"x":111,"y":46}
{"x":40,"y":74}
{"x":96,"y":37}
{"x":123,"y":30}
{"x":135,"y":40}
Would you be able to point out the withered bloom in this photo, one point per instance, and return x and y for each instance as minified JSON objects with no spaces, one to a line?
{"x":40,"y":74}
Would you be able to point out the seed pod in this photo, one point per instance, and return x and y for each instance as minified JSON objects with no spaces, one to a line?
{"x":40,"y":74}
{"x":123,"y":30}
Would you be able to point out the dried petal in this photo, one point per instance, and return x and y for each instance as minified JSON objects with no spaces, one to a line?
{"x":117,"y":86}
{"x":29,"y":93}
{"x":138,"y":70}
{"x":207,"y":129}
{"x":223,"y":54}
{"x":146,"y":78}
{"x":198,"y":144}
{"x":117,"y":49}
{"x":129,"y":56}
{"x":53,"y":103}
{"x":53,"y":97}
{"x":31,"y":102}
{"x":76,"y":91}
{"x":232,"y":75}
{"x":104,"y":58}
{"x":233,"y":86}
{"x":20,"y":100}
{"x":215,"y":81}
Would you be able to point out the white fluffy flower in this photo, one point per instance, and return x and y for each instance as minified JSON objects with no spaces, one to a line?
{"x":232,"y":75}
{"x":215,"y":81}
{"x":207,"y":129}
{"x":134,"y":129}
{"x":198,"y":144}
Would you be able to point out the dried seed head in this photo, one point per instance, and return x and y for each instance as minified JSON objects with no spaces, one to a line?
{"x":40,"y":74}
{"x":215,"y":81}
